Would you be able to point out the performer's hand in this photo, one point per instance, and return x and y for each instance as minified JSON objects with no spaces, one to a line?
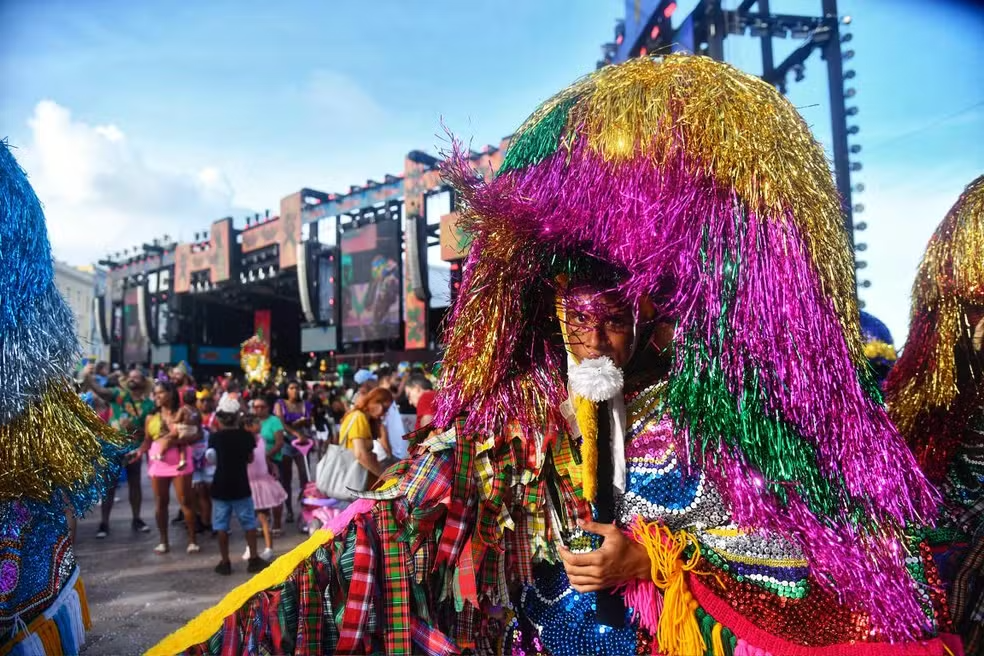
{"x":619,"y":559}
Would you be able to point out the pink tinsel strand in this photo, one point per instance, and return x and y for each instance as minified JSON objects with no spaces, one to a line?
{"x":672,"y":227}
{"x":866,"y":573}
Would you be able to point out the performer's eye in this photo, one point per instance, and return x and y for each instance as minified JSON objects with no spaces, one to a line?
{"x":618,"y":325}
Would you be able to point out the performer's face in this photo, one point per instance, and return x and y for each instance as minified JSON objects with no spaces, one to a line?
{"x":599,"y":325}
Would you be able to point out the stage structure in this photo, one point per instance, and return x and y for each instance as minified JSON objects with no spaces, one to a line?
{"x":332,"y":275}
{"x":404,"y":196}
{"x":198,"y":301}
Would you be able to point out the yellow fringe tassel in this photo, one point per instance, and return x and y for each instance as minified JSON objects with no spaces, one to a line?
{"x":47,"y":631}
{"x":202,"y":627}
{"x":717,"y":642}
{"x":586,"y":414}
{"x":679,"y":632}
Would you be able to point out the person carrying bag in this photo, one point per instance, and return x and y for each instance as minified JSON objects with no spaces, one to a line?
{"x":351,"y":466}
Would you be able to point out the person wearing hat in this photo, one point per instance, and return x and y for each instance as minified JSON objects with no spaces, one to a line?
{"x":935,"y":394}
{"x":231,"y":449}
{"x":363,"y":376}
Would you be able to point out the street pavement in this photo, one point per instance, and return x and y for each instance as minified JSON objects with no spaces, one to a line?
{"x":137,"y":597}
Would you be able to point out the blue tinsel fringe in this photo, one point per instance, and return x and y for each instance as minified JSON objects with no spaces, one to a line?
{"x":37,"y":332}
{"x":82,"y":497}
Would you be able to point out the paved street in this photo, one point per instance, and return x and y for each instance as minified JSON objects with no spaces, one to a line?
{"x":137,"y":597}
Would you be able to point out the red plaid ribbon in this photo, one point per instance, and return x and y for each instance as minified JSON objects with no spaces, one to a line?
{"x":432,"y":641}
{"x":352,"y":636}
{"x":459,"y":511}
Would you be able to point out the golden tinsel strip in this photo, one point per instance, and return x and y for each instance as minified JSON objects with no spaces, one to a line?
{"x":950,"y":277}
{"x":54,"y":443}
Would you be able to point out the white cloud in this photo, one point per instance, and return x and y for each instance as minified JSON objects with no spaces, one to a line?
{"x":99,"y":193}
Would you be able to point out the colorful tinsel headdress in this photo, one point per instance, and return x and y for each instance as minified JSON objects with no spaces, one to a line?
{"x":54,"y":451}
{"x":925,"y":386}
{"x":694,"y":177}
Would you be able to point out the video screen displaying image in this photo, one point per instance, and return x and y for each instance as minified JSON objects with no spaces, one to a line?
{"x":371,"y":283}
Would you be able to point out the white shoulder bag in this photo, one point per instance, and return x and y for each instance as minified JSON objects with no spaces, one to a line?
{"x":339,"y":474}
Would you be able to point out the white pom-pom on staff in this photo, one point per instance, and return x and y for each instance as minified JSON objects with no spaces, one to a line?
{"x":596,"y":380}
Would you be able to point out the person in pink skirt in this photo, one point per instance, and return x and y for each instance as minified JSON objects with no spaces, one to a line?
{"x":161,"y":438}
{"x":268,"y":493}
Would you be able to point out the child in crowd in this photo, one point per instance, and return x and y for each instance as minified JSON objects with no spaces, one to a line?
{"x":187,"y":424}
{"x":268,"y":493}
{"x":231,"y":449}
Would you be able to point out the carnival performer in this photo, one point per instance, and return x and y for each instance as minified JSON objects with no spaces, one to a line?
{"x":936,"y":397}
{"x":628,"y":455}
{"x":56,"y":453}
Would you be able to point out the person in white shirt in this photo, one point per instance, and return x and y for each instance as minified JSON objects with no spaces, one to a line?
{"x":393,"y":421}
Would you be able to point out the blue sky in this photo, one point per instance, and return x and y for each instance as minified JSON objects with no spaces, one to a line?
{"x":136,"y":119}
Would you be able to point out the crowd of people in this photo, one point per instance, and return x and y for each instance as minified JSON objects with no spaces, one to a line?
{"x":228,"y":448}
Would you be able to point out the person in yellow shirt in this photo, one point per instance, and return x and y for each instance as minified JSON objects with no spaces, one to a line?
{"x":362,"y":425}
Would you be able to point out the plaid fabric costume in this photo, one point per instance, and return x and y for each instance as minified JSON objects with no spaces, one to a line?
{"x":422,"y":571}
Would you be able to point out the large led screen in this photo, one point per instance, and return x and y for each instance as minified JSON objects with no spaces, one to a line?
{"x":371,"y":282}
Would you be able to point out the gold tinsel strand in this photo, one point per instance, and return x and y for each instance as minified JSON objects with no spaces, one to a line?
{"x":492,"y":308}
{"x":950,"y":277}
{"x":55,"y":443}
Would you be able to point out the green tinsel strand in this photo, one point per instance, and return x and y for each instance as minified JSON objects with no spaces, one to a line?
{"x":866,"y":376}
{"x":539,"y":141}
{"x":699,"y":399}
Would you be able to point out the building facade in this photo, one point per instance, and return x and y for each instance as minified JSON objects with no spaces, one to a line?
{"x":79,"y":286}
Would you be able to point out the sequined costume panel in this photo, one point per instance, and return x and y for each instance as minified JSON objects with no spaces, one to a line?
{"x":964,"y":485}
{"x":36,"y":559}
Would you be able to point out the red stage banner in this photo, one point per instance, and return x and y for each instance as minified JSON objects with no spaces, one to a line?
{"x":261,"y":325}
